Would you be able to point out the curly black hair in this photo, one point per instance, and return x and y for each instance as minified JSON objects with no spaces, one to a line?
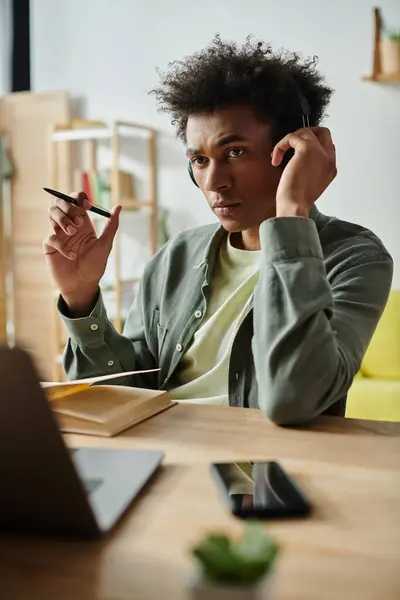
{"x":225,"y":74}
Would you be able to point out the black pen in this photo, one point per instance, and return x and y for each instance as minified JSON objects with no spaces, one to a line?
{"x":96,"y":209}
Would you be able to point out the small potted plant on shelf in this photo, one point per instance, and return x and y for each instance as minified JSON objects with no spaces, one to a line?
{"x":234,"y":570}
{"x":390,"y":53}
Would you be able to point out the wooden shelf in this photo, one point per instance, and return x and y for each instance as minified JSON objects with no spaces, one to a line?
{"x":382,"y":78}
{"x":127,"y":206}
{"x":125,"y":129}
{"x":110,"y":287}
{"x":133,"y":204}
{"x":377,"y":76}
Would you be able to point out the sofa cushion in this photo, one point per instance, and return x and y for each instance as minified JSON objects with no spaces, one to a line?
{"x":382,"y":359}
{"x":374,"y":399}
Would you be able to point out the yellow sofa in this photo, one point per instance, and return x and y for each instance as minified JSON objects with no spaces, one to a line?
{"x":375,"y":393}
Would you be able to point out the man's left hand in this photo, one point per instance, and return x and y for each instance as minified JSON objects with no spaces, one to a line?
{"x":308,"y":173}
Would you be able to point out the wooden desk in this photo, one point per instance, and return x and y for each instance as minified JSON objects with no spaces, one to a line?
{"x":349,"y":549}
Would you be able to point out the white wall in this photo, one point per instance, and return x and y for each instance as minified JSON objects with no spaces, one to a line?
{"x":105,"y":52}
{"x":5,"y":46}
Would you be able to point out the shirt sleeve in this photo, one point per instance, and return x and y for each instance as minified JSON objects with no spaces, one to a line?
{"x":311,"y":333}
{"x":95,"y":348}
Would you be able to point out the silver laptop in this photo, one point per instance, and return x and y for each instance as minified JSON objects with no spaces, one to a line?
{"x":47,"y":489}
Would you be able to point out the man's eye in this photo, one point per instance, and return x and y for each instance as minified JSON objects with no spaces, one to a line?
{"x":198,"y":160}
{"x":235,"y":152}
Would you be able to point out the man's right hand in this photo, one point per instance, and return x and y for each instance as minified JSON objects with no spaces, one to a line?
{"x":76,"y":257}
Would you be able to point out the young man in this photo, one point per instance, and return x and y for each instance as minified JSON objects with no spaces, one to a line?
{"x":274,"y":309}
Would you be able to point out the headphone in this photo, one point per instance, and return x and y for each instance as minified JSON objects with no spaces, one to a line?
{"x":306,"y":113}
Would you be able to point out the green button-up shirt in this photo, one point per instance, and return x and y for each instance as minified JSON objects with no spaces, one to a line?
{"x":323,"y":286}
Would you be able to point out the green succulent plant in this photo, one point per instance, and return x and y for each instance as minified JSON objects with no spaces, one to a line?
{"x":394,"y":35}
{"x":243,"y":562}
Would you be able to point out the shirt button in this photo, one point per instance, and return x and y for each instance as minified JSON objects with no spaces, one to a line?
{"x":179,"y":347}
{"x":94,"y":327}
{"x":198,"y":314}
{"x":110,"y":363}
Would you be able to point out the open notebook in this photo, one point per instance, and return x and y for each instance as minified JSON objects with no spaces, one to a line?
{"x":103,"y":410}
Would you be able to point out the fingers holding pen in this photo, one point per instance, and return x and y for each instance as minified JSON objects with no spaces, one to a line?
{"x":67,"y":216}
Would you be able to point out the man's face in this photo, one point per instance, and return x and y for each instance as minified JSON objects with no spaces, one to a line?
{"x":230,"y":154}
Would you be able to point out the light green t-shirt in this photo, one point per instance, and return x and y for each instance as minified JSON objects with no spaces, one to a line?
{"x":202,"y":375}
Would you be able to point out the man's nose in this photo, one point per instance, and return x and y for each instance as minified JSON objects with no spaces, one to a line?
{"x":217,"y":178}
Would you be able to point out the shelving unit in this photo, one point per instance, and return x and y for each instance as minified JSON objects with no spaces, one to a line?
{"x":25,"y":118}
{"x":377,"y":75}
{"x":90,"y":136}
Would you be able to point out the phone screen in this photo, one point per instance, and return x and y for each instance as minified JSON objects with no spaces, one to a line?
{"x":259,"y":490}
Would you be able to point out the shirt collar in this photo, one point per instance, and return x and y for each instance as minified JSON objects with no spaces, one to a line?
{"x":220,"y":234}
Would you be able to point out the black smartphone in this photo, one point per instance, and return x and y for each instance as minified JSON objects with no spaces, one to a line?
{"x":259,"y":490}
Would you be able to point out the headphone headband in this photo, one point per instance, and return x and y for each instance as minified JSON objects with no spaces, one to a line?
{"x":305,"y":107}
{"x":191,"y":175}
